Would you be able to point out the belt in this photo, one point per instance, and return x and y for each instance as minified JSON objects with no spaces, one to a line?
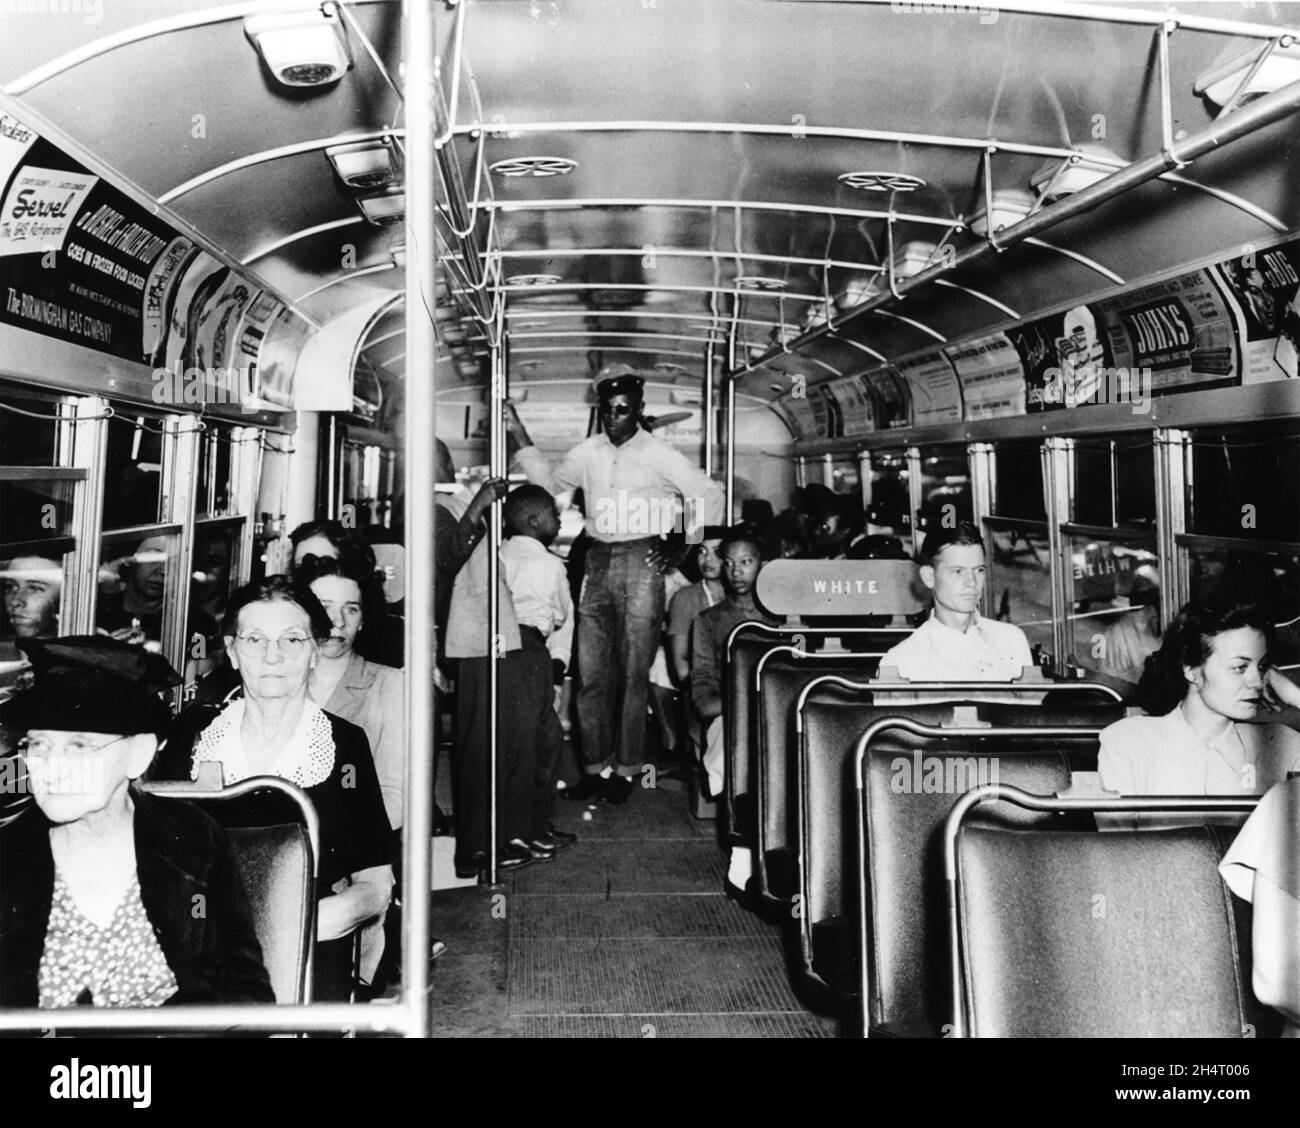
{"x":531,"y":631}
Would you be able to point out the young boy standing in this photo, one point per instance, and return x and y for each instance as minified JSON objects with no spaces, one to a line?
{"x":539,"y":591}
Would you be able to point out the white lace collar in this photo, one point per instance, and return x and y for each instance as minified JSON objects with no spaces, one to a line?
{"x":306,"y":759}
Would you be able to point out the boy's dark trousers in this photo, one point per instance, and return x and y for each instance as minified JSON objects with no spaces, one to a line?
{"x":546,"y":732}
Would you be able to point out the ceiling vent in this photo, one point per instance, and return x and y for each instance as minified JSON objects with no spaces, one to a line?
{"x":516,"y":167}
{"x":1010,"y":206}
{"x":308,"y":48}
{"x":881,"y":181}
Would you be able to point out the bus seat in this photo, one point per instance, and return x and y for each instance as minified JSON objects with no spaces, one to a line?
{"x":277,"y":862}
{"x":1128,"y":934}
{"x":903,"y":883}
{"x":745,"y":649}
{"x":833,"y":720}
{"x":782,"y":677}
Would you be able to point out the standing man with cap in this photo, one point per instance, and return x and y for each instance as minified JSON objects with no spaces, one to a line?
{"x":635,"y":485}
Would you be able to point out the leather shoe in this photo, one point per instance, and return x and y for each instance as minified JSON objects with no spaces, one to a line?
{"x":591,"y":788}
{"x":471,"y":865}
{"x":534,"y":848}
{"x":559,"y":839}
{"x":476,"y":864}
{"x":619,"y":789}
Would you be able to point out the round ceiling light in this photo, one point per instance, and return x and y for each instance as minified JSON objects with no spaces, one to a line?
{"x":759,"y":282}
{"x":881,"y":181}
{"x":515,"y":167}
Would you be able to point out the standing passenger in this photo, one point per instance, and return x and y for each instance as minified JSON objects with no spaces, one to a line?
{"x":539,"y":590}
{"x":632,"y":482}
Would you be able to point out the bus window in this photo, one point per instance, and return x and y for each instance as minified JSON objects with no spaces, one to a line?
{"x":138,"y":582}
{"x":1115,"y":601}
{"x":28,"y":432}
{"x":945,"y":489}
{"x":845,"y":476}
{"x":133,"y":471}
{"x":1114,"y":483}
{"x":1245,"y":483}
{"x":1270,"y":578}
{"x":889,"y":513}
{"x":215,"y":495}
{"x":1019,"y":581}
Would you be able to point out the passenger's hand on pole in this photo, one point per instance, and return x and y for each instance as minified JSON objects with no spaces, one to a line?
{"x":514,"y":427}
{"x":492,"y":490}
{"x":656,"y":558}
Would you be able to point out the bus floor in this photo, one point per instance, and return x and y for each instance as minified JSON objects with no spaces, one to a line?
{"x":626,"y":934}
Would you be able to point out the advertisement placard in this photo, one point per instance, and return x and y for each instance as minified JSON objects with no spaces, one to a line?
{"x":1264,"y":295}
{"x":992,"y":377}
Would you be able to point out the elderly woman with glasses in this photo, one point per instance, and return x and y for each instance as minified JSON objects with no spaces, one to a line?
{"x":273,"y":636}
{"x":98,"y":881}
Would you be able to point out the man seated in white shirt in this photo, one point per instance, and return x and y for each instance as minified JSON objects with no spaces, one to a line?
{"x":956,"y":643}
{"x":539,"y":591}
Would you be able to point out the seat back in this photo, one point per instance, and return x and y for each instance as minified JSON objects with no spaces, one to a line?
{"x":781,"y":676}
{"x":1126,"y":934}
{"x":911,"y":784}
{"x":745,"y":649}
{"x":277,"y":862}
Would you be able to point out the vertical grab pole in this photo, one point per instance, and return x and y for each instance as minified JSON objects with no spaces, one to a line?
{"x":710,"y":423}
{"x":421,"y":77}
{"x":731,"y":426}
{"x":497,"y":469}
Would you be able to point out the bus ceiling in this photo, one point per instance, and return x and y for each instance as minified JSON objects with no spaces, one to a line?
{"x":889,"y":199}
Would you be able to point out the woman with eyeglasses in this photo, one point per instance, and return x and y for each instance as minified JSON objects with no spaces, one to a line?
{"x":98,"y":881}
{"x":273,"y":636}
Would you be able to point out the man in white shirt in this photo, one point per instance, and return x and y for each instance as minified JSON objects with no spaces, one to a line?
{"x":636,"y":489}
{"x":956,"y":643}
{"x":539,"y":590}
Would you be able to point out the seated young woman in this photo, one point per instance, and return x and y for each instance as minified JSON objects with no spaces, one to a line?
{"x":1211,"y":691}
{"x":98,"y":880}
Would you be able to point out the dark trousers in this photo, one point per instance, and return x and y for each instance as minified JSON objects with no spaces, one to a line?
{"x":529,"y":740}
{"x":619,"y":622}
{"x":547,"y":732}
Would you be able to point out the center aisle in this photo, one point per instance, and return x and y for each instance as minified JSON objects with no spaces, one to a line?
{"x":625,"y":935}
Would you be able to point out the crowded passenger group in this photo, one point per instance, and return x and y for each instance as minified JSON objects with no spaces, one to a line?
{"x":303,"y":682}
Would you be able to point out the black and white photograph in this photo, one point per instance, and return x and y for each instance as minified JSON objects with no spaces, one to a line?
{"x":538,"y":521}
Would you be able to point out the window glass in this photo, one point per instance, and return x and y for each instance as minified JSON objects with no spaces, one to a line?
{"x":136,"y":578}
{"x":1272,"y":579}
{"x":945,"y":489}
{"x":1135,"y":483}
{"x":1115,"y":606}
{"x":133,"y":476}
{"x":24,"y":440}
{"x":1020,"y":583}
{"x":1019,"y":482}
{"x":845,"y":476}
{"x":890,"y":509}
{"x":215,"y":462}
{"x":1245,"y":482}
{"x":34,"y":508}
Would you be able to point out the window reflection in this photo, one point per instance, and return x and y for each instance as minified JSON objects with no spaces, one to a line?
{"x":33,"y":590}
{"x":1272,"y":579}
{"x":133,"y":588}
{"x":133,"y":472}
{"x":890,"y":509}
{"x":1115,"y":600}
{"x":1020,"y":582}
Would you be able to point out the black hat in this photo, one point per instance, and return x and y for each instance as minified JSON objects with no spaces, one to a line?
{"x":92,"y":684}
{"x":619,"y":380}
{"x":713,"y":532}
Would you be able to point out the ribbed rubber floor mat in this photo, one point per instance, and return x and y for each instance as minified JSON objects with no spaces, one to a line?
{"x":610,"y":867}
{"x":677,"y":1026}
{"x":682,"y":976}
{"x":650,"y":812}
{"x":631,"y":917}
